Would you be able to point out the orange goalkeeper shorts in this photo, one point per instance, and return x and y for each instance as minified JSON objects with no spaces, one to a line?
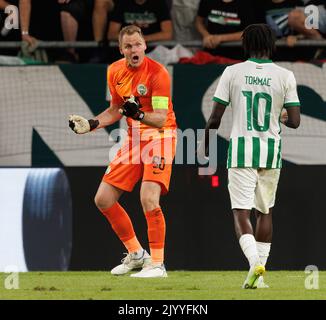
{"x":149,"y":160}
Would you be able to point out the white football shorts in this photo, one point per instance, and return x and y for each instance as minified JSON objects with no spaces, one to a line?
{"x":253,"y":188}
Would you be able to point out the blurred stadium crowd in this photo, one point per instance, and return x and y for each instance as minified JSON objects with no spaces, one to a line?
{"x":210,"y":22}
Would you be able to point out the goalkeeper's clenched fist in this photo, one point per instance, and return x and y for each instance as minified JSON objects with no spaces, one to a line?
{"x":131,"y":109}
{"x":81,"y":125}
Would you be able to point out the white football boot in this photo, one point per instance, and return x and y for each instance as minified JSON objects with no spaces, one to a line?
{"x":131,"y":262}
{"x":151,"y":271}
{"x":261,"y":284}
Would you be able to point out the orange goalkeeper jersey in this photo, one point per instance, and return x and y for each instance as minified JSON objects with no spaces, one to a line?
{"x":151,"y":84}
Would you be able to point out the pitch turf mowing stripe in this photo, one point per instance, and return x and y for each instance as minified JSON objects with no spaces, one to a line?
{"x":180,"y":285}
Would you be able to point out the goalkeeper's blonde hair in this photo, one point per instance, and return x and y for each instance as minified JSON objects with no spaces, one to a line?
{"x":129,"y":30}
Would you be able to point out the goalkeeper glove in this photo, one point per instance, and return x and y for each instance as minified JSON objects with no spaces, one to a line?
{"x":131,"y":109}
{"x":81,"y":125}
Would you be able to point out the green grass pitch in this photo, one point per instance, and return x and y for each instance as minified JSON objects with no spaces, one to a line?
{"x":221,"y":285}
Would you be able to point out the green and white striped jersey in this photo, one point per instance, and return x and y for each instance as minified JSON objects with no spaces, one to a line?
{"x":257,"y":91}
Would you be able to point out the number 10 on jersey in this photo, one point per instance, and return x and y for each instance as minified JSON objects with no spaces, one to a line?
{"x":253,"y":110}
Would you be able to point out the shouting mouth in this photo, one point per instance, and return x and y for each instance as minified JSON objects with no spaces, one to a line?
{"x":135,"y":59}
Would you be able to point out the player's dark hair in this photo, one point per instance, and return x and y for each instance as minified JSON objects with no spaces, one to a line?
{"x":258,"y":40}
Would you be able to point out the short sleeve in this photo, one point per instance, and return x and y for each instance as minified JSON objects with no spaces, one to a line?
{"x":291,"y":95}
{"x":222,"y":92}
{"x":161,"y":88}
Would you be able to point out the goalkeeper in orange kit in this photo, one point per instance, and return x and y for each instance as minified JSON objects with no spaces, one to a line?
{"x":140,"y":91}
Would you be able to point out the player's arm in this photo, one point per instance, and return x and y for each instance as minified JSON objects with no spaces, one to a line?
{"x":109,"y":116}
{"x":213,"y":122}
{"x":291,"y":117}
{"x":221,"y":101}
{"x":156,"y":118}
{"x":81,"y":125}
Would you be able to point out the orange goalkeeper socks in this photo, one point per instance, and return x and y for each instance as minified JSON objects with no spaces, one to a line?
{"x":156,"y":234}
{"x":122,"y":226}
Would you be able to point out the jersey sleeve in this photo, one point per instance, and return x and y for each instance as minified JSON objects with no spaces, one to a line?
{"x":291,"y":95}
{"x":222,"y":93}
{"x":161,"y":87}
{"x":112,"y":94}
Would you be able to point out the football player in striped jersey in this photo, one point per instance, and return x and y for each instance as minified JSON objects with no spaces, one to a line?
{"x":261,"y":94}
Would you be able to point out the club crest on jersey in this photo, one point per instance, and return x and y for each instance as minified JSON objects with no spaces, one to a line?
{"x":141,"y":89}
